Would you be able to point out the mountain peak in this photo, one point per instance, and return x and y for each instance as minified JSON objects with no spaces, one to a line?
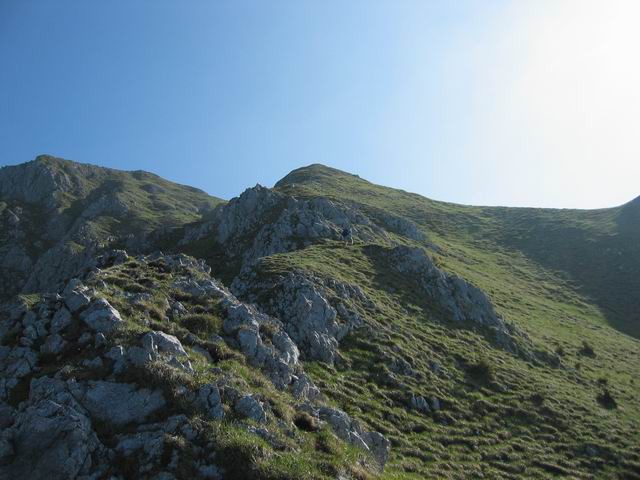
{"x":316,"y":172}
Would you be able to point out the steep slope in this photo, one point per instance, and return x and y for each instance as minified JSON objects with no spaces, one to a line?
{"x":56,"y":214}
{"x":446,"y":342}
{"x":596,"y":251}
{"x":550,"y":393}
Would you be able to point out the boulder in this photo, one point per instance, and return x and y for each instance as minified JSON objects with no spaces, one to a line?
{"x":53,"y":345}
{"x":118,"y":403}
{"x":250,"y":407}
{"x":209,"y":400}
{"x":164,"y":343}
{"x":48,"y":441}
{"x":101,"y":316}
{"x":61,"y":320}
{"x":419,"y":403}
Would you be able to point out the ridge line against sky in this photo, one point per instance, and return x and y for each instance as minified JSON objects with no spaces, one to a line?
{"x":528,"y":103}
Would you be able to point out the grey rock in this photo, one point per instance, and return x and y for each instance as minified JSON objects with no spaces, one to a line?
{"x":139,"y":356}
{"x":61,"y":320}
{"x":350,"y":430}
{"x":119,"y":403}
{"x":49,"y":441}
{"x":461,"y":300}
{"x":101,"y":316}
{"x":15,"y":363}
{"x":146,"y":446}
{"x":419,"y":403}
{"x":250,"y":407}
{"x":305,"y":305}
{"x":378,"y":445}
{"x":85,"y":338}
{"x":54,"y":344}
{"x":95,"y":362}
{"x":210,"y":471}
{"x":209,"y":400}
{"x":164,"y":343}
{"x":304,"y":388}
{"x":76,"y":295}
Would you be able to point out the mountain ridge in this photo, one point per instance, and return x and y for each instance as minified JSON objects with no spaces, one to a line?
{"x":443,"y":341}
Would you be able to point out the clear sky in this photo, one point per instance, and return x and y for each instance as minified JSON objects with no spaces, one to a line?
{"x":522,"y":103}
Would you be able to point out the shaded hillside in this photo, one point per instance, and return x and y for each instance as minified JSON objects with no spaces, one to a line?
{"x":56,"y":214}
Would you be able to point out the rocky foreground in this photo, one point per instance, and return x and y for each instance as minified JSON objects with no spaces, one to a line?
{"x":101,"y":392}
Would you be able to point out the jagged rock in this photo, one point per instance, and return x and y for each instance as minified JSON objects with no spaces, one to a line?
{"x":51,"y":437}
{"x":350,"y":430}
{"x":100,"y":340}
{"x":76,"y":295}
{"x":295,"y":223}
{"x":95,"y":362}
{"x":140,"y":356}
{"x":400,"y":225}
{"x":279,"y":360}
{"x":209,"y":400}
{"x":250,"y":407}
{"x":54,"y":344}
{"x":378,"y":445}
{"x":146,"y":447}
{"x":118,"y":403}
{"x":164,"y":343}
{"x":419,"y":403}
{"x":85,"y":338}
{"x":113,"y":257}
{"x":302,"y":302}
{"x":61,"y":320}
{"x":304,"y":388}
{"x":15,"y":363}
{"x":210,"y":471}
{"x":178,"y":310}
{"x":49,"y":441}
{"x":462,"y":301}
{"x":402,"y":367}
{"x":158,"y":345}
{"x":101,"y":316}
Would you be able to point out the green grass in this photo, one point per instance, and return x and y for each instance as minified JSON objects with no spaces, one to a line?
{"x":565,"y":277}
{"x":501,"y":416}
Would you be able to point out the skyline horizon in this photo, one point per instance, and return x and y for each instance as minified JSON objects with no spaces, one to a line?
{"x":533,"y":103}
{"x":273,"y":183}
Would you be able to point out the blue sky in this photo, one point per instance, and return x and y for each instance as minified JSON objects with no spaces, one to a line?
{"x":523,"y":103}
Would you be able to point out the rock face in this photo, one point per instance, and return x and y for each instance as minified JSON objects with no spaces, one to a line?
{"x":261,"y":222}
{"x":101,"y":317}
{"x":118,"y":403}
{"x":351,"y":431}
{"x":462,"y":301}
{"x":51,"y":437}
{"x":316,"y":313}
{"x":44,"y":242}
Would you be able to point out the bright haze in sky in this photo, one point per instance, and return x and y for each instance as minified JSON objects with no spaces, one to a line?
{"x":519,"y":103}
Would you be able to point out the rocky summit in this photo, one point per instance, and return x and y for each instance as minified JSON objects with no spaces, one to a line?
{"x":151,"y":331}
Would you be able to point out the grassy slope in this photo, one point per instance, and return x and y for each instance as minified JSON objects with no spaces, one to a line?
{"x":152,"y":201}
{"x":547,"y":270}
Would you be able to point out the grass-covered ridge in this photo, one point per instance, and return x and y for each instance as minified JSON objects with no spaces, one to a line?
{"x":594,"y":253}
{"x":499,"y":416}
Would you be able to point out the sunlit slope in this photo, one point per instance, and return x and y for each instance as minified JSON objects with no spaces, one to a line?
{"x":592,"y":253}
{"x":566,"y":277}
